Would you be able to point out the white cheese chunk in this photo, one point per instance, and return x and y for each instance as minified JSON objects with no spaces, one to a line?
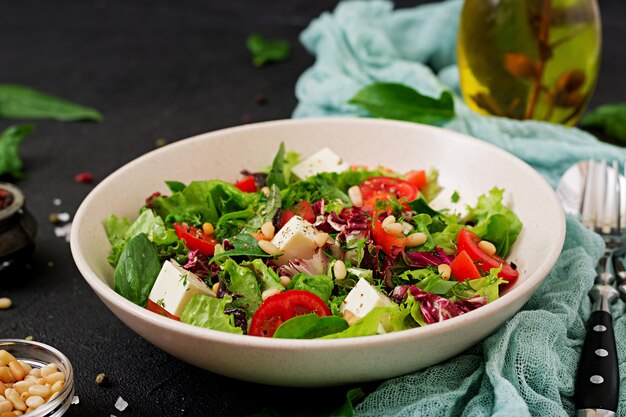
{"x":175,"y":286}
{"x":296,"y":240}
{"x":324,"y":160}
{"x":362,"y":299}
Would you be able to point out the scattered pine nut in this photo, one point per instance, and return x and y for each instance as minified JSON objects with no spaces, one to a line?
{"x":208,"y":228}
{"x":5,"y":303}
{"x":268,"y":293}
{"x":266,"y":190}
{"x":356,"y":197}
{"x":393,"y":229}
{"x":487,"y":247}
{"x":339,"y":270}
{"x":445,"y":271}
{"x":215,"y":289}
{"x":321,"y":239}
{"x":389,"y":220}
{"x":268,"y":230}
{"x":285,"y":281}
{"x":269,"y":248}
{"x":416,"y":239}
{"x":101,"y":379}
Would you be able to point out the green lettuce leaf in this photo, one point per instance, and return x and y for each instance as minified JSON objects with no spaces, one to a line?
{"x":432,"y":187}
{"x":242,"y":281}
{"x":494,"y":221}
{"x":391,"y":318}
{"x":310,"y":326}
{"x":267,"y":278}
{"x":320,"y":285}
{"x":137,"y":270}
{"x":488,"y":286}
{"x":208,"y":312}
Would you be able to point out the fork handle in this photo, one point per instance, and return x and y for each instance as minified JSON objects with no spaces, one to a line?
{"x":597,"y":382}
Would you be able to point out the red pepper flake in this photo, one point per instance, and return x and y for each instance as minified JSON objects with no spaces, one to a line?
{"x":6,"y":198}
{"x":84,"y":178}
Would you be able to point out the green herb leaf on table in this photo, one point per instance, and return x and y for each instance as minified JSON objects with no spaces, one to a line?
{"x":265,"y":50}
{"x":21,"y":102}
{"x":400,"y":102}
{"x":10,"y":141}
{"x":610,"y":118}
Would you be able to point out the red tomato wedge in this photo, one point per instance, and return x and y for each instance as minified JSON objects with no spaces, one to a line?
{"x":247,"y":184}
{"x":463,"y":267}
{"x":302,"y":209}
{"x":382,"y":188}
{"x":386,"y":240}
{"x":279,"y":308}
{"x":155,"y":308}
{"x":468,"y":241}
{"x":417,"y":178}
{"x":195,"y":239}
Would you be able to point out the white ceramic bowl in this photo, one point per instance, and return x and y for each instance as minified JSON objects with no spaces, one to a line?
{"x":466,"y":164}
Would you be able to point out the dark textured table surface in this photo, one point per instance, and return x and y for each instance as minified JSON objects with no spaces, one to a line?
{"x":155,"y":69}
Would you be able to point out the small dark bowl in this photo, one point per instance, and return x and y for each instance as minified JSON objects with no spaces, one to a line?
{"x":17,"y":227}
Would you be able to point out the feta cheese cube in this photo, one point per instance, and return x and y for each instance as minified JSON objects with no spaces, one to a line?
{"x":362,"y":299}
{"x":296,"y":240}
{"x":324,"y":160}
{"x":175,"y":286}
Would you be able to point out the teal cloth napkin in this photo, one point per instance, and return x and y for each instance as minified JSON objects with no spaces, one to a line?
{"x":528,"y":366}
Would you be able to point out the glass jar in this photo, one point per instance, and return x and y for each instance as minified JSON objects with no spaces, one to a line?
{"x":37,"y":355}
{"x":529,"y":59}
{"x":17,"y":227}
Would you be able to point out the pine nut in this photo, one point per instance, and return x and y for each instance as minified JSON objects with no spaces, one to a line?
{"x":269,"y":248}
{"x":5,"y":303}
{"x":2,"y":388}
{"x":18,"y":413}
{"x":445,"y":271}
{"x":268,"y":230}
{"x":41,"y":381}
{"x":26,"y":367}
{"x":266,"y":190}
{"x":285,"y":281}
{"x":5,"y":375}
{"x":393,"y":229}
{"x":35,"y":401}
{"x":16,"y":370}
{"x":57,"y":386}
{"x":23,"y":386}
{"x":268,"y":293}
{"x":389,"y":220}
{"x":25,"y":395}
{"x":339,"y":270}
{"x":55,"y":377}
{"x":9,"y":413}
{"x":40,"y":390}
{"x":208,"y":228}
{"x":356,"y":197}
{"x":416,"y":239}
{"x":321,"y":239}
{"x":5,"y":406}
{"x":487,"y":247}
{"x":13,"y":396}
{"x":6,"y":357}
{"x":215,"y":288}
{"x":49,"y":369}
{"x":350,"y":317}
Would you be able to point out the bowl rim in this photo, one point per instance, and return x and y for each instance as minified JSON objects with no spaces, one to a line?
{"x":449,"y":325}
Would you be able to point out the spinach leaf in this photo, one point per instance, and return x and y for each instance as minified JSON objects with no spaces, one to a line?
{"x":242,"y":281}
{"x":276,"y":175}
{"x":244,"y":245}
{"x":392,"y":316}
{"x":400,"y":102}
{"x":265,"y":50}
{"x":419,"y":205}
{"x":310,"y":326}
{"x":610,"y":118}
{"x":10,"y":141}
{"x":175,"y":186}
{"x":137,"y":270}
{"x":208,"y":312}
{"x":21,"y":102}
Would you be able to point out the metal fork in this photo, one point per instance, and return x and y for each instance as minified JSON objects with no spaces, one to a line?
{"x":597,"y":381}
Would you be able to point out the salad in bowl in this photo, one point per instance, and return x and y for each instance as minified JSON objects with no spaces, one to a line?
{"x":314,"y":248}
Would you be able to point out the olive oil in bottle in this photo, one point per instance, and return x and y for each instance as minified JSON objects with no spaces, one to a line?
{"x":529,"y":59}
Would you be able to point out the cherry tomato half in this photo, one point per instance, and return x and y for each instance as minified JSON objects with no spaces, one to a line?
{"x":247,"y":184}
{"x":468,"y":241}
{"x":195,"y":239}
{"x":155,"y":308}
{"x":279,"y":308}
{"x":382,"y":188}
{"x":463,"y":267}
{"x":417,"y":178}
{"x":302,"y":209}
{"x":386,"y":240}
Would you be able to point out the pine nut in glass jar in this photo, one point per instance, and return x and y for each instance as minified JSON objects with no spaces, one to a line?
{"x":37,"y":355}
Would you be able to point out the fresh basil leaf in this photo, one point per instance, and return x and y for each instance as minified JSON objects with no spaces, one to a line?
{"x":10,"y":141}
{"x":21,"y":102}
{"x":310,"y":326}
{"x":400,"y":102}
{"x":265,"y":50}
{"x":175,"y":186}
{"x":610,"y":118}
{"x":276,"y":175}
{"x":208,"y":312}
{"x":244,"y":245}
{"x":137,"y":270}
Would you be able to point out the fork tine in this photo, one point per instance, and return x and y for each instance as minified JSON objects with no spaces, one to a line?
{"x":586,"y":202}
{"x":609,"y":220}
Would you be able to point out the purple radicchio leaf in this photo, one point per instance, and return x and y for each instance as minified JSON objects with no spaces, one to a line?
{"x":426,"y":258}
{"x":199,"y":265}
{"x":317,"y":265}
{"x":239,"y":315}
{"x":435,"y":308}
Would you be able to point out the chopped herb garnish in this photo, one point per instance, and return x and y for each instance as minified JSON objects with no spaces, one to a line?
{"x":455,"y":197}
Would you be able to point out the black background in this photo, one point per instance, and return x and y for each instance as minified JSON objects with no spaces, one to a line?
{"x":155,"y":69}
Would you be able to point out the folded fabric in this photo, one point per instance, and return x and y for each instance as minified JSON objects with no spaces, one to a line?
{"x":528,"y":366}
